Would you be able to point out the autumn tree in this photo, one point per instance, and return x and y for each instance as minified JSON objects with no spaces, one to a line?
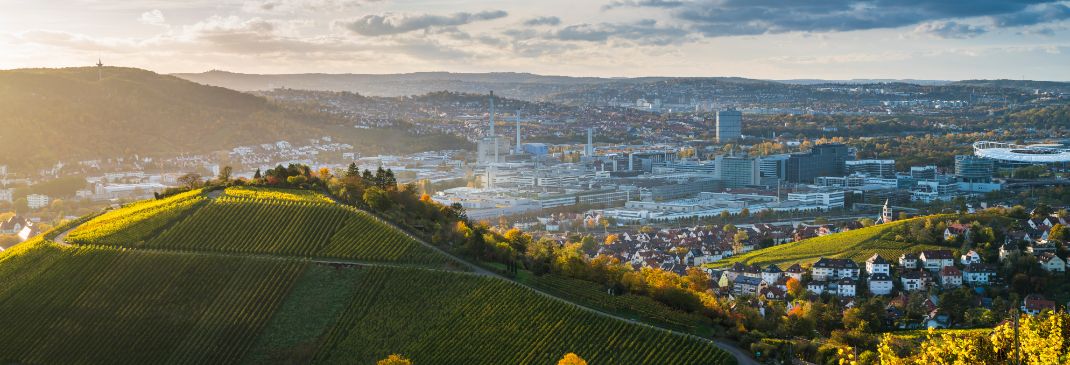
{"x":394,"y":359}
{"x":570,"y":359}
{"x":795,"y":288}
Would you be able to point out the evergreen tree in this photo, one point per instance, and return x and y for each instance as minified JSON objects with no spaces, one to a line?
{"x":257,"y":175}
{"x":353,"y":170}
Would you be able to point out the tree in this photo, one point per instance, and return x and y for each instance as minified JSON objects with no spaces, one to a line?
{"x":257,"y":174}
{"x":570,"y":359}
{"x":377,"y":199}
{"x":1059,"y":233}
{"x":795,"y":288}
{"x":353,"y":170}
{"x":394,"y":359}
{"x":190,"y":180}
{"x":225,"y":173}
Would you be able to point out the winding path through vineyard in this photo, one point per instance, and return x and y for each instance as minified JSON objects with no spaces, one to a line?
{"x":742,"y":357}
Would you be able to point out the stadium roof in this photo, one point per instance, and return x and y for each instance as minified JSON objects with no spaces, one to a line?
{"x":1035,"y":154}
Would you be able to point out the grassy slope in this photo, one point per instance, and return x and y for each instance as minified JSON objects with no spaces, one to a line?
{"x":857,"y":245}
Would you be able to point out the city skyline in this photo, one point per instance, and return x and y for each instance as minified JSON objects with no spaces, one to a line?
{"x":827,"y":40}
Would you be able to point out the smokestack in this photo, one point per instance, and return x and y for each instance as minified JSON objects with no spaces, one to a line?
{"x":517,"y":149}
{"x":590,"y":142}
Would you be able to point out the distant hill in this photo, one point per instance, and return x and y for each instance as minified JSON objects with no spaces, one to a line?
{"x":265,"y":276}
{"x":865,"y":81}
{"x":1025,"y":85}
{"x":69,"y":114}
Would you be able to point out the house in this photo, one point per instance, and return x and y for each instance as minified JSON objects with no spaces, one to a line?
{"x":816,"y":287}
{"x":1041,"y":247}
{"x":830,"y":269}
{"x":1007,"y":249}
{"x":773,"y":293}
{"x":934,"y":260}
{"x":846,"y":287}
{"x":878,"y":265}
{"x":912,"y":280}
{"x":37,"y":201}
{"x":14,"y":224}
{"x":1034,"y":304}
{"x":795,"y":271}
{"x":978,"y":274}
{"x":1048,"y":261}
{"x":950,"y":277}
{"x":880,"y":284}
{"x":908,"y":260}
{"x":746,"y":285}
{"x":954,"y":230}
{"x":970,"y":258}
{"x":771,"y":273}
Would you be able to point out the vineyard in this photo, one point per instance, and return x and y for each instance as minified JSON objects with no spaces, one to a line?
{"x":255,"y":220}
{"x":857,"y":244}
{"x":256,"y":192}
{"x":466,"y":319}
{"x":133,"y":224}
{"x":89,"y":305}
{"x":594,"y":295}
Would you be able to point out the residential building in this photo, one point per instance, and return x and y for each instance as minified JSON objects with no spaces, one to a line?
{"x":795,"y":271}
{"x":831,"y":269}
{"x":37,"y":201}
{"x":772,"y":274}
{"x":846,"y":287}
{"x":970,"y":258}
{"x":908,"y":260}
{"x":1034,"y":304}
{"x":746,"y":285}
{"x":978,"y":274}
{"x":878,"y":265}
{"x":934,"y":260}
{"x":880,"y":284}
{"x":950,"y":277}
{"x":912,"y":280}
{"x":1050,"y":262}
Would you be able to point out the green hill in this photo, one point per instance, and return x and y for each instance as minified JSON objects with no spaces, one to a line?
{"x":261,"y":276}
{"x":857,"y":244}
{"x":69,"y":114}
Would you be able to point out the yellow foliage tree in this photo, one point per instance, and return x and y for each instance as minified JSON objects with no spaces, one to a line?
{"x":571,"y":359}
{"x":394,"y":359}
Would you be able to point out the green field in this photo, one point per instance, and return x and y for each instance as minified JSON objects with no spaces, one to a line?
{"x":857,"y":244}
{"x":230,"y":281}
{"x":134,"y":223}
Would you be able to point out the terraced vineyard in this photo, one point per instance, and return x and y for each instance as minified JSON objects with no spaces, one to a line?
{"x":256,"y":221}
{"x":133,"y":224}
{"x":468,"y":319}
{"x":857,"y":244}
{"x":628,"y":305}
{"x":103,"y":306}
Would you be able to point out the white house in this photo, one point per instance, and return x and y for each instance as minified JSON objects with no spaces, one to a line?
{"x":934,"y":260}
{"x":846,"y":287}
{"x":795,"y":271}
{"x":908,"y":260}
{"x":771,"y":274}
{"x":978,"y":274}
{"x":831,"y":269}
{"x":878,"y":265}
{"x":880,"y":284}
{"x":1048,"y":261}
{"x":970,"y":258}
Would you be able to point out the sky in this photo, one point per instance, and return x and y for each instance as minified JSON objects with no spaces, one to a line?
{"x":766,"y":39}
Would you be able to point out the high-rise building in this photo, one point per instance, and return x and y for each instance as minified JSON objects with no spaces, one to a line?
{"x":884,"y":169}
{"x":489,"y":148}
{"x":923,"y":172}
{"x":729,"y":125}
{"x":737,"y":171}
{"x":589,"y":149}
{"x":773,"y":167}
{"x":973,"y":169}
{"x":822,"y":160}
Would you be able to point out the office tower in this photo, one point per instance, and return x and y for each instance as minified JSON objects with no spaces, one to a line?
{"x":973,"y":169}
{"x":822,"y":160}
{"x":729,"y":125}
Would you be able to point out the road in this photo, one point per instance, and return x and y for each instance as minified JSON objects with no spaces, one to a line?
{"x":742,"y":357}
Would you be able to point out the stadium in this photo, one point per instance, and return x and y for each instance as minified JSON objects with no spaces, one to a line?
{"x":1014,"y":154}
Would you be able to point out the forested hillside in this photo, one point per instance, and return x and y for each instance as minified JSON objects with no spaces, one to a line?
{"x":72,"y":114}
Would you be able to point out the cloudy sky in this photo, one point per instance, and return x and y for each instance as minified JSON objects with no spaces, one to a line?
{"x":831,"y":39}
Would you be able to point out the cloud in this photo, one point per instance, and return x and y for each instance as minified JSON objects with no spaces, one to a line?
{"x":388,"y":24}
{"x":153,"y":17}
{"x":950,"y":29}
{"x":717,"y":18}
{"x":643,"y":3}
{"x":270,"y":6}
{"x":543,"y":20}
{"x":644,"y":32}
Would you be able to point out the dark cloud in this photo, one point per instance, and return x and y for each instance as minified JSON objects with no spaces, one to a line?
{"x":644,"y":31}
{"x":543,"y":20}
{"x":950,"y":29}
{"x":387,"y":24}
{"x":714,"y":18}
